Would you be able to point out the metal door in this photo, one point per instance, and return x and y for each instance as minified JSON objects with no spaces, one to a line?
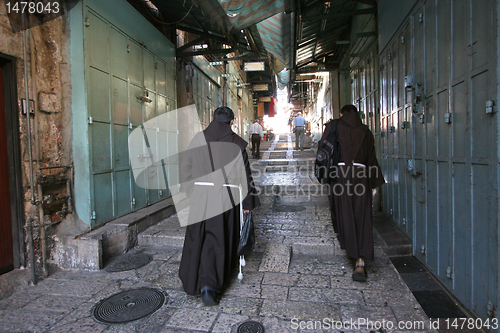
{"x":6,"y":244}
{"x":443,"y":94}
{"x":127,"y":85}
{"x":206,"y":96}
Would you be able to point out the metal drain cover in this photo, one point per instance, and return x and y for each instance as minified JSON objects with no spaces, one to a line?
{"x":251,"y":327}
{"x":128,"y":306}
{"x":128,"y":261}
{"x":288,"y":208}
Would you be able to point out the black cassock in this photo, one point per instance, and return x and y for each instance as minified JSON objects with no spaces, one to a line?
{"x":211,"y":246}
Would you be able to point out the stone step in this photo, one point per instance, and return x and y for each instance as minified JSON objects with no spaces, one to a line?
{"x":166,"y":233}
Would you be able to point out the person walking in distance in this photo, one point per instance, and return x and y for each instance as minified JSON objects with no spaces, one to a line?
{"x":299,"y":125}
{"x":358,"y":175}
{"x":210,"y":251}
{"x":256,"y":134}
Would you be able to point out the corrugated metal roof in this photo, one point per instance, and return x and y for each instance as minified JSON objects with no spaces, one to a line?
{"x":293,"y":36}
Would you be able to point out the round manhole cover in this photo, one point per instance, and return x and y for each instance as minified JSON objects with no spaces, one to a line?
{"x":288,"y":208}
{"x":128,"y":306}
{"x":126,"y":262}
{"x":251,"y":327}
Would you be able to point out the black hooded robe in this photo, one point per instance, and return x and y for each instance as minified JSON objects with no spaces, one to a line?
{"x":211,"y":246}
{"x":352,"y":195}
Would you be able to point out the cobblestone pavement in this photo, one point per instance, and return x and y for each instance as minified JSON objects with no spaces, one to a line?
{"x":296,"y":280}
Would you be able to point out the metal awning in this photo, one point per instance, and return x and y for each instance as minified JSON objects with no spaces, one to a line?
{"x":252,"y":29}
{"x":291,"y":36}
{"x":325,"y":41}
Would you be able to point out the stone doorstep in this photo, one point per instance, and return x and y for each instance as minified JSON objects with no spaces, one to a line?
{"x":90,"y":250}
{"x":14,"y":280}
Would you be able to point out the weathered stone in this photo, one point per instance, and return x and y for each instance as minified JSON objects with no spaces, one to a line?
{"x":301,"y":310}
{"x":226,"y":323}
{"x":190,"y":319}
{"x":276,"y":258}
{"x":274,"y":292}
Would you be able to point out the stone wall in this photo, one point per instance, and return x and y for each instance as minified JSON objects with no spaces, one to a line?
{"x":49,"y":87}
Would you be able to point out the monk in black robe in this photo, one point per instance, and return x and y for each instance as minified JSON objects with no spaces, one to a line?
{"x":211,"y":242}
{"x":358,"y":174}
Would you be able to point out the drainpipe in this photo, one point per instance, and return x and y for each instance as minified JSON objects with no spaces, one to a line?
{"x":29,"y":221}
{"x":41,"y":212}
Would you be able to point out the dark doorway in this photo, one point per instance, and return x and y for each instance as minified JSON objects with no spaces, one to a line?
{"x":6,"y":243}
{"x":11,"y":196}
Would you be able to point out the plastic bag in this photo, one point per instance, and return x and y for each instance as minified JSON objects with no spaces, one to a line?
{"x":247,"y":235}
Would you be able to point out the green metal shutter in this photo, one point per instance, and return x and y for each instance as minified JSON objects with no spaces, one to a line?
{"x":206,"y":96}
{"x":126,"y":86}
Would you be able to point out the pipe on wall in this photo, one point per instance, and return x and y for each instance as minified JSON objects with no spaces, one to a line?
{"x":29,"y":221}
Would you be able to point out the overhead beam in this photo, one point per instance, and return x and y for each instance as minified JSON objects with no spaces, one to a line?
{"x":323,"y":33}
{"x":341,"y":14}
{"x":205,"y":52}
{"x":253,"y":45}
{"x":317,"y":69}
{"x":191,"y":43}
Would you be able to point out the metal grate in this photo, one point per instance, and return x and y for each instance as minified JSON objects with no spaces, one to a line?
{"x":251,"y":327}
{"x":128,"y":306}
{"x":128,"y":261}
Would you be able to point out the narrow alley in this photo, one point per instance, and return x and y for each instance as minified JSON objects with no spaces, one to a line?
{"x":296,"y":280}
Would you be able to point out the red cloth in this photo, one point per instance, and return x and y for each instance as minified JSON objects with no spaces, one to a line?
{"x":272,"y":106}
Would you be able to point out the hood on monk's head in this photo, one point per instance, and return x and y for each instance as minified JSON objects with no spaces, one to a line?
{"x":352,"y":119}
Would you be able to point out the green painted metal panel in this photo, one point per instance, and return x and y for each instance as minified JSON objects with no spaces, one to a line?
{"x":150,"y":106}
{"x":98,"y":92}
{"x":444,"y":235}
{"x":119,"y":101}
{"x":123,"y":192}
{"x":391,"y":13}
{"x":481,"y":122}
{"x":149,"y":70}
{"x":118,"y":53}
{"x":463,"y":225}
{"x":103,"y":197}
{"x":97,"y":42}
{"x":443,"y":132}
{"x":122,"y":15}
{"x":161,"y":78}
{"x":205,"y":93}
{"x":161,"y":104}
{"x":135,"y":68}
{"x":101,"y":146}
{"x":121,"y":155}
{"x":135,"y":113}
{"x":139,"y":193}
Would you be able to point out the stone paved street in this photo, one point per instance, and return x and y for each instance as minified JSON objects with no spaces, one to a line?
{"x":296,"y":280}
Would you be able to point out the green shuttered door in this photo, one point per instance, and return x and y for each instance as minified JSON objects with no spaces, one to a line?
{"x":126,"y":86}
